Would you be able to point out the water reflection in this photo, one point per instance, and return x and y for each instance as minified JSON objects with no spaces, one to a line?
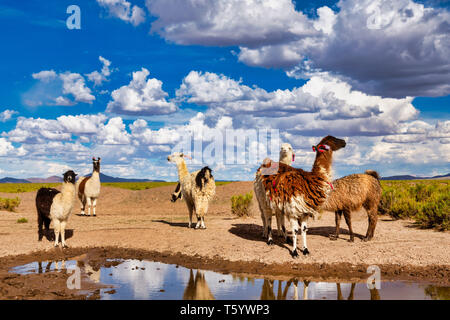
{"x":197,"y":289}
{"x":135,"y":279}
{"x":268,"y":292}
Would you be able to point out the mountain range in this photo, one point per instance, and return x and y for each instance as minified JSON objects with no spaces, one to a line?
{"x":56,"y":179}
{"x":106,"y":178}
{"x":409,"y":177}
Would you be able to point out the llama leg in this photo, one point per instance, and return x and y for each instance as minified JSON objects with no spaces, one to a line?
{"x":89,"y":204}
{"x":373,"y":218}
{"x":47,"y":227}
{"x":83,"y":204}
{"x":63,"y":233}
{"x":94,"y":205}
{"x":304,"y":228}
{"x":279,"y":223}
{"x":198,"y":212}
{"x":283,"y":229}
{"x":203,"y":213}
{"x":190,"y":207}
{"x":56,"y":228}
{"x":203,"y":223}
{"x":348,"y":220}
{"x":283,"y":225}
{"x":40,"y":223}
{"x":269,"y":228}
{"x":337,"y":218}
{"x":263,"y":218}
{"x":199,"y":221}
{"x":294,"y":227}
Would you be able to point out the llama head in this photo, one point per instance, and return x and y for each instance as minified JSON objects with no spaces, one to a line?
{"x":177,"y":157}
{"x":96,"y":164}
{"x":329,"y":144}
{"x":287,"y":154}
{"x":70,"y":176}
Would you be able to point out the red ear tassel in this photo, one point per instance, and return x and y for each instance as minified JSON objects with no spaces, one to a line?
{"x":314,"y":148}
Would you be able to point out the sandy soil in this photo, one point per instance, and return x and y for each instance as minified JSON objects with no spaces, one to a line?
{"x":150,"y":226}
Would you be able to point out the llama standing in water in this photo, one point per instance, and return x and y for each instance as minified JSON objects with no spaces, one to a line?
{"x":56,"y":206}
{"x":89,"y":189}
{"x":198,"y":188}
{"x":298,"y":194}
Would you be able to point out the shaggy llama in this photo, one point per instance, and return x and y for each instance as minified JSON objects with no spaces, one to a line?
{"x":198,"y":188}
{"x":298,"y":194}
{"x":56,"y":206}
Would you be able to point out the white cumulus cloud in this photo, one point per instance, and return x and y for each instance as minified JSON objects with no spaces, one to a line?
{"x":141,"y":96}
{"x":124,"y":10}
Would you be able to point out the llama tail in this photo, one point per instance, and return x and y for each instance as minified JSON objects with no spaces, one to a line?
{"x":373,"y":173}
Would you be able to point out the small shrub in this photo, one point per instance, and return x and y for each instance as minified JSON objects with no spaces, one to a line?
{"x":435,"y":213}
{"x":9,"y":204}
{"x":22,"y":220}
{"x":426,"y":202}
{"x":240,"y":204}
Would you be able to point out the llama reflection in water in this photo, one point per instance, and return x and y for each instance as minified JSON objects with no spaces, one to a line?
{"x":267,"y":292}
{"x":59,"y":266}
{"x":374,"y":293}
{"x":197,"y":288}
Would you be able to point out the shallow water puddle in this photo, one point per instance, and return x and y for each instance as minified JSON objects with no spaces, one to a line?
{"x":135,"y":279}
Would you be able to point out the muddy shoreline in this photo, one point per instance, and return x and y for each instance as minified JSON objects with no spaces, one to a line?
{"x":52,"y":285}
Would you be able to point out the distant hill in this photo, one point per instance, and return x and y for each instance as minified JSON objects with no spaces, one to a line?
{"x":56,"y":179}
{"x":105,"y":178}
{"x":409,"y":177}
{"x":52,"y":179}
{"x":12,"y":180}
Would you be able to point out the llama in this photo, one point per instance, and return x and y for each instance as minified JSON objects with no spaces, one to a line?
{"x":298,"y":194}
{"x":287,"y":156}
{"x":89,"y":189}
{"x":56,"y":206}
{"x":197,"y":188}
{"x":351,"y":193}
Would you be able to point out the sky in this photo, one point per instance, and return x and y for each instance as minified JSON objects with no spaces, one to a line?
{"x":140,"y":80}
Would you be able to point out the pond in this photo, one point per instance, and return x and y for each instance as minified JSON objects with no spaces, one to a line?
{"x":140,"y":279}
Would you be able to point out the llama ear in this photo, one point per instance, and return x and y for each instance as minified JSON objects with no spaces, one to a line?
{"x":99,"y":159}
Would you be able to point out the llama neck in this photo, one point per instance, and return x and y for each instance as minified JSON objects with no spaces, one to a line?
{"x":68,"y":190}
{"x":183,"y":171}
{"x":322,"y":166}
{"x":95,"y":175}
{"x":286,"y":159}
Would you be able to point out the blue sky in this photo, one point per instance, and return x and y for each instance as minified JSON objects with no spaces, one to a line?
{"x":373,"y":72}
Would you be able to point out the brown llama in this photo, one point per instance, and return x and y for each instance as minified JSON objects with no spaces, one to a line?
{"x":351,"y":193}
{"x":298,"y":194}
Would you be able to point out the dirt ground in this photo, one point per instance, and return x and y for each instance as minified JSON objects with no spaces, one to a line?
{"x":146,"y":225}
